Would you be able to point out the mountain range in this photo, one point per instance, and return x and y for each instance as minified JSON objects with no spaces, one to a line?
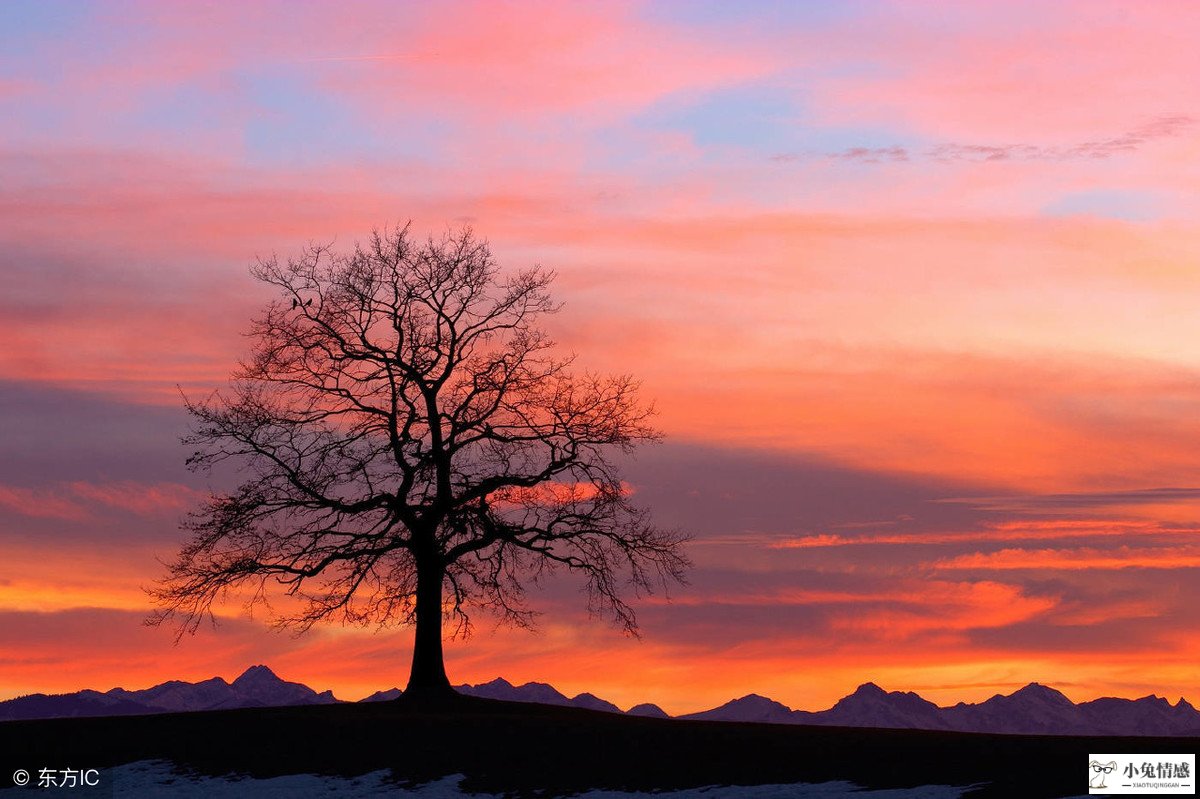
{"x":539,"y":692}
{"x":257,"y":686}
{"x":1035,"y":709}
{"x":1032,"y":710}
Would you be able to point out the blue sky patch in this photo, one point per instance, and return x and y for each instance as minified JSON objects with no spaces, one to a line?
{"x":1132,"y":206}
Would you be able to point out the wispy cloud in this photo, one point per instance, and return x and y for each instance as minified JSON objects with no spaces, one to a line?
{"x":1014,"y":531}
{"x":40,"y":503}
{"x":871,"y":155}
{"x":379,"y":57}
{"x":1168,"y":126}
{"x":1071,"y":502}
{"x":137,"y":498}
{"x":943,"y":608}
{"x":77,"y":501}
{"x":1185,"y":557}
{"x":1130,"y":141}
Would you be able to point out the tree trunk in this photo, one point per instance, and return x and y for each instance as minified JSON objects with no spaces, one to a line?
{"x":428,"y":675}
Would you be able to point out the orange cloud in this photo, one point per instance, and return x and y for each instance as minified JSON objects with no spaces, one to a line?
{"x":1033,"y":530}
{"x":553,"y":493}
{"x":66,"y":650}
{"x":1125,"y":557}
{"x":944,"y":609}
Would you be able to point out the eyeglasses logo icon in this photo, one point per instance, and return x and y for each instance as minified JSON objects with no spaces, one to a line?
{"x":1099,"y":771}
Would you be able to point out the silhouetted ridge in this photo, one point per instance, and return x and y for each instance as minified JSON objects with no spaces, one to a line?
{"x":538,"y":692}
{"x":593,"y":702}
{"x":750,"y":707}
{"x":648,"y":709}
{"x":1033,"y":709}
{"x":868,"y":689}
{"x":258,"y":686}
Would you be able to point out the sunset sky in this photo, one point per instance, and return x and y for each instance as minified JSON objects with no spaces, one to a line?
{"x":915,"y":288}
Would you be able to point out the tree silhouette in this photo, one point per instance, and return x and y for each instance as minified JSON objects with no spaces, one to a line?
{"x":411,"y":447}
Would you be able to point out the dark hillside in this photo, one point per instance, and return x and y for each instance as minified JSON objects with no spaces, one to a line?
{"x":521,"y":748}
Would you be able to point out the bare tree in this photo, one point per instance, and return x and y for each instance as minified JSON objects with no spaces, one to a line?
{"x":412,"y":447}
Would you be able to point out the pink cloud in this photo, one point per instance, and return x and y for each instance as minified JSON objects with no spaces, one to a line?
{"x":13,"y":88}
{"x":528,"y":59}
{"x":503,"y":69}
{"x":76,"y":501}
{"x":41,"y":504}
{"x":991,"y":73}
{"x":143,"y":500}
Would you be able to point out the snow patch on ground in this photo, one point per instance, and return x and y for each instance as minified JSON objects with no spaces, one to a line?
{"x":154,"y":778}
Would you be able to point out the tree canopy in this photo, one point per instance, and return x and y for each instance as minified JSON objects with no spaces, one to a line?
{"x":411,"y":446}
